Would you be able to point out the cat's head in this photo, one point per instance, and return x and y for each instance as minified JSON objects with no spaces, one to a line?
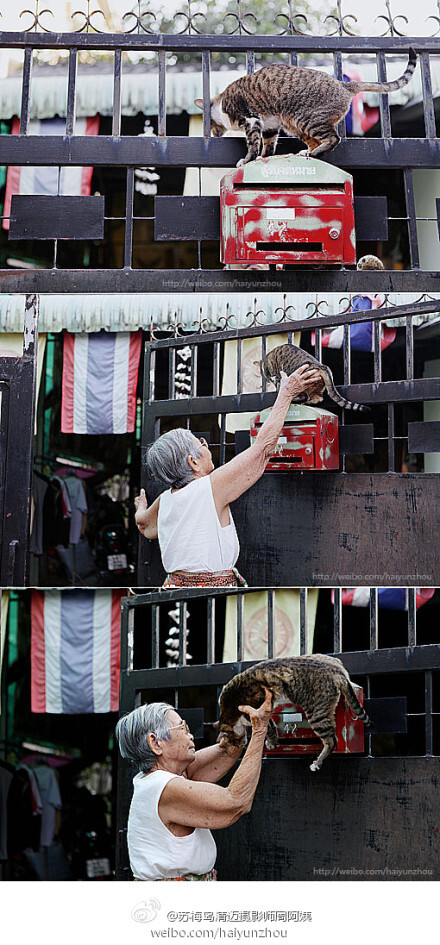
{"x":220,"y":122}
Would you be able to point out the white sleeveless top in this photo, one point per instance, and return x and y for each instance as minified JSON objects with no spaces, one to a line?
{"x":190,"y":535}
{"x":155,"y":853}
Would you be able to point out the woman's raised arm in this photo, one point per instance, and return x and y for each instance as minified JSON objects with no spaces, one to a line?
{"x":234,"y":478}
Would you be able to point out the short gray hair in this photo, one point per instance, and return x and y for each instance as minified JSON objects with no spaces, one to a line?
{"x":132,"y":731}
{"x":167,"y":458}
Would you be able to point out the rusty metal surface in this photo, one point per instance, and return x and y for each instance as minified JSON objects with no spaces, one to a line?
{"x":357,"y":814}
{"x":355,"y":529}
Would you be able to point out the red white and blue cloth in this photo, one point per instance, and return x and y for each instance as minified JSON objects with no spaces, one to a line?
{"x":100,"y":372}
{"x":390,"y":598}
{"x":361,"y":335}
{"x":75,"y":643}
{"x":74,"y":181}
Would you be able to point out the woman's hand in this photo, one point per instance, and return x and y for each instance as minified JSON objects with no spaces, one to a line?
{"x":259,"y":717}
{"x":146,"y":518}
{"x":301,"y":379}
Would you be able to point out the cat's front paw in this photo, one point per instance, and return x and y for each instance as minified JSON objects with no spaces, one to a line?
{"x":304,"y":153}
{"x":241,"y":162}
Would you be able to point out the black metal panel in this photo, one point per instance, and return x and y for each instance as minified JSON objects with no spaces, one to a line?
{"x":371,"y":218}
{"x":190,"y":218}
{"x":171,"y":281}
{"x":424,"y":437}
{"x":313,"y":827}
{"x":354,"y":529}
{"x":356,"y":438}
{"x":386,"y":715}
{"x":63,"y":218}
{"x":135,"y":151}
{"x":186,"y":218}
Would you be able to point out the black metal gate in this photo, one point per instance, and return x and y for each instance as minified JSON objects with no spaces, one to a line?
{"x":18,"y":377}
{"x":361,"y":817}
{"x":350,"y":527}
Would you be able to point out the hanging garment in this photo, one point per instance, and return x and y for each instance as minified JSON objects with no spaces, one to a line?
{"x":74,"y":181}
{"x":50,"y":799}
{"x":100,"y":371}
{"x":362,"y":334}
{"x":390,"y":598}
{"x":40,"y":485}
{"x":75,"y":650}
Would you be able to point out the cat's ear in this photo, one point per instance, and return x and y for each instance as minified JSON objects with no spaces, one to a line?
{"x":215,"y":724}
{"x":199,"y":103}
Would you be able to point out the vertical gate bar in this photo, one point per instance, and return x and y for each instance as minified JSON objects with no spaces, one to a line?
{"x":147,"y":373}
{"x":270,"y":625}
{"x":223,"y":439}
{"x":116,"y":116}
{"x":130,"y":640}
{"x":412,"y":629}
{"x":411,"y":215}
{"x":347,"y":354}
{"x":240,"y":626}
{"x":428,"y":104}
{"x":303,"y":600}
{"x":384,"y":106}
{"x":210,"y":657}
{"x":206,"y":75}
{"x":293,"y":56}
{"x":250,"y":61}
{"x":155,"y":636}
{"x":337,"y":621}
{"x":338,"y":73}
{"x":368,"y":696}
{"x":12,"y":554}
{"x":377,"y":354}
{"x":162,"y":116}
{"x":428,"y":713}
{"x":71,"y":92}
{"x":263,"y":355}
{"x":391,"y":459}
{"x":171,"y":373}
{"x":26,"y":91}
{"x":409,"y":338}
{"x":318,"y":344}
{"x":125,"y":609}
{"x":182,"y":632}
{"x":194,"y":354}
{"x":216,"y":370}
{"x":374,"y":619}
{"x":239,"y":363}
{"x":128,"y":242}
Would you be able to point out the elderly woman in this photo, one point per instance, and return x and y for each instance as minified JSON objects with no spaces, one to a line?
{"x":192,"y":519}
{"x":176,"y":799}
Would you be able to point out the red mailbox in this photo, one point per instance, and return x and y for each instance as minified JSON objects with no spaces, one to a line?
{"x":309,"y":440}
{"x":287,"y":209}
{"x":296,"y":737}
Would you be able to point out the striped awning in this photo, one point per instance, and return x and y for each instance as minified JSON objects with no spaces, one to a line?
{"x":86,"y":313}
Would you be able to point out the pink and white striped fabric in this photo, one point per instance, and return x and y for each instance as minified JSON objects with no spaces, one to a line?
{"x":74,"y":181}
{"x":361,"y":334}
{"x":75,"y":651}
{"x":100,"y":372}
{"x":390,"y":598}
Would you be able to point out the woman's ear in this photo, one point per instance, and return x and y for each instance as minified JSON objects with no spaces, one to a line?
{"x":193,"y":462}
{"x":153,"y":743}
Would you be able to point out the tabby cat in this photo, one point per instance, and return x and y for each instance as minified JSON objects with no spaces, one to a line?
{"x":305,"y":103}
{"x":315,"y":683}
{"x":288,"y":358}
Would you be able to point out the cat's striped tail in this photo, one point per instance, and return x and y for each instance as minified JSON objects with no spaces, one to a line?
{"x":335,"y":395}
{"x":353,"y":701}
{"x":356,"y":87}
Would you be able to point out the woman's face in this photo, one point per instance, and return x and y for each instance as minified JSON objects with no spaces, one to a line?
{"x":203,"y":464}
{"x":180,"y":748}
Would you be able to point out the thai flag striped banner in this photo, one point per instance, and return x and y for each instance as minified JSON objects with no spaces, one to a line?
{"x":361,"y":335}
{"x":100,"y":372}
{"x":75,"y":641}
{"x":74,"y":181}
{"x":390,"y":598}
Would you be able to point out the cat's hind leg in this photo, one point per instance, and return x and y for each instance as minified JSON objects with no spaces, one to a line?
{"x":270,"y":141}
{"x":330,"y":742}
{"x":253,"y":128}
{"x":325,"y":728}
{"x":325,"y":143}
